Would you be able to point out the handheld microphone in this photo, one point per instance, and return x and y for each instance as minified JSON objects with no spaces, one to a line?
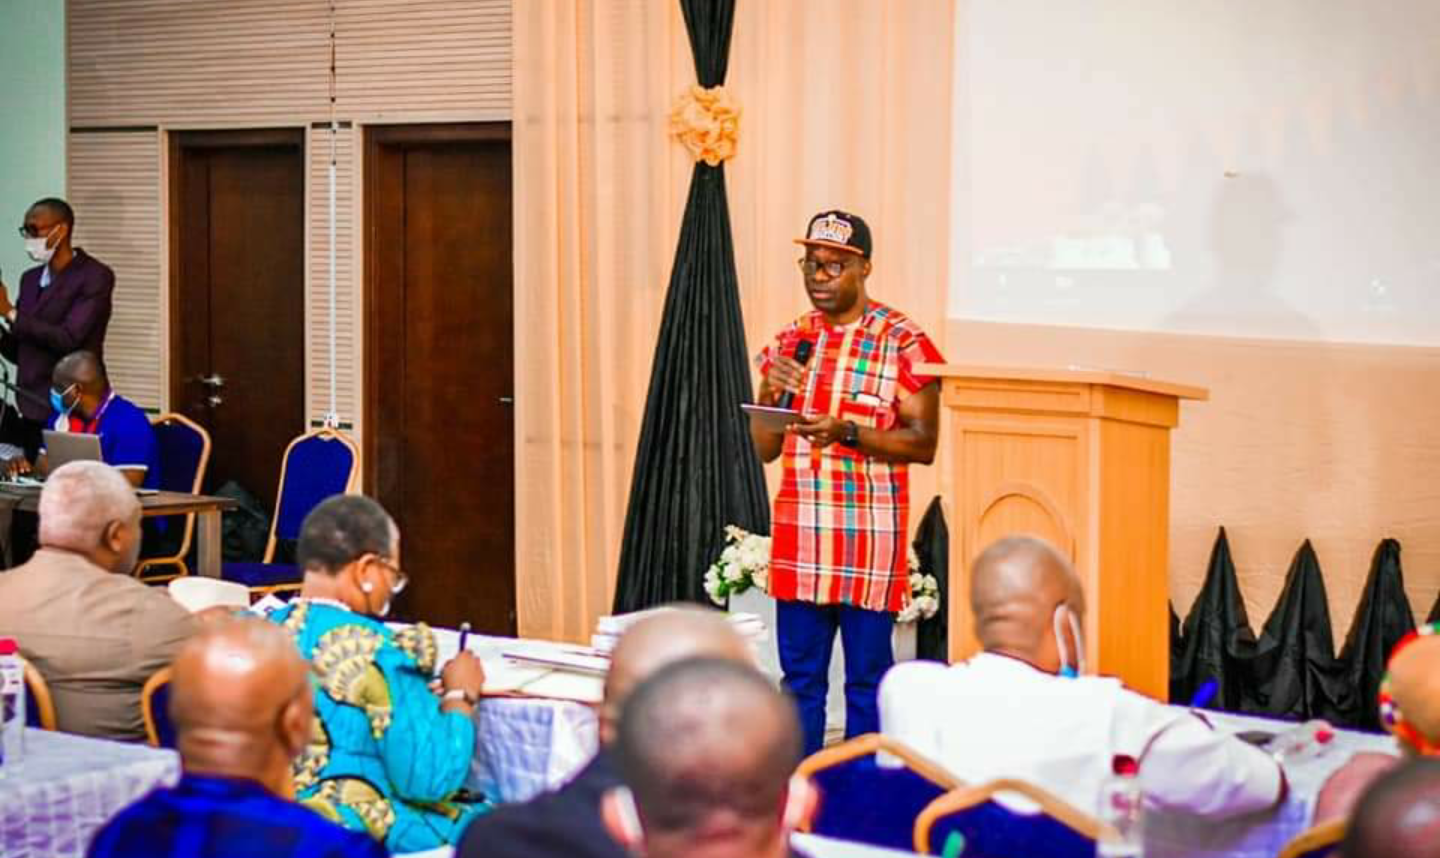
{"x":802,"y":357}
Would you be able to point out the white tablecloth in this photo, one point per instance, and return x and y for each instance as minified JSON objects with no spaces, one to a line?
{"x":68,"y":786}
{"x":528,"y":745}
{"x":815,"y":846}
{"x":1260,"y":835}
{"x":523,"y":745}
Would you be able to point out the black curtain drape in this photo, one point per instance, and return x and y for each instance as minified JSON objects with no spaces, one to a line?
{"x":1294,"y":674}
{"x":695,"y":469}
{"x":1216,"y":641}
{"x":932,"y":546}
{"x":1291,"y":670}
{"x":1382,"y":618}
{"x":1177,"y":645}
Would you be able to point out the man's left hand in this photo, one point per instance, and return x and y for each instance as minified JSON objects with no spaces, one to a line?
{"x":5,"y":305}
{"x":822,"y":430}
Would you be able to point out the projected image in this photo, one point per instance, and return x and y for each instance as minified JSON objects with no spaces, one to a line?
{"x":1178,"y":167}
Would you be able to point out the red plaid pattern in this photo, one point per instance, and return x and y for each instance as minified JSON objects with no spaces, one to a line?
{"x":841,"y":518}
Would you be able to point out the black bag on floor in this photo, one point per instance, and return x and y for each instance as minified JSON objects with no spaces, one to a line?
{"x":245,"y":530}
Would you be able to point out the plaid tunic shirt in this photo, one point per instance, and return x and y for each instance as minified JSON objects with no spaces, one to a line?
{"x":841,"y":518}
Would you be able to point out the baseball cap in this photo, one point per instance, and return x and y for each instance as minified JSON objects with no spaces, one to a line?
{"x":840,"y":230}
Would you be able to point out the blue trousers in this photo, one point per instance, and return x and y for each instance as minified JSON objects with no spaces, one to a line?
{"x":805,"y":633}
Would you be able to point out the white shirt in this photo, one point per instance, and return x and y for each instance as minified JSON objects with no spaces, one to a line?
{"x":995,"y":716}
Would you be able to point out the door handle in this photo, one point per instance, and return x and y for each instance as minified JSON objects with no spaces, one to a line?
{"x":212,"y":400}
{"x":505,"y":400}
{"x":214,"y":380}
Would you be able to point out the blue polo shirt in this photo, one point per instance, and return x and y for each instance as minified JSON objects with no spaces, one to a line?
{"x":126,"y":439}
{"x":215,"y":817}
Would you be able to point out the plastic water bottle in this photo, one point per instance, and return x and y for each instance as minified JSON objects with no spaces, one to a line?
{"x":1122,"y":811}
{"x":12,"y":706}
{"x":1302,"y":743}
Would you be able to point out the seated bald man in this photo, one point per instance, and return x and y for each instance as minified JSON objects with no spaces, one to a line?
{"x":95,"y":633}
{"x":85,"y":402}
{"x":1414,"y":686}
{"x":1399,"y":815}
{"x":567,"y":822}
{"x":707,"y":749}
{"x":1020,"y":709}
{"x":243,"y":709}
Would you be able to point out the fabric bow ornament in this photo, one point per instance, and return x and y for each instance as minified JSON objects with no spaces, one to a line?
{"x":707,"y":122}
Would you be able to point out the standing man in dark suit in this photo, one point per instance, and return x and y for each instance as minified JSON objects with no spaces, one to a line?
{"x":63,"y":306}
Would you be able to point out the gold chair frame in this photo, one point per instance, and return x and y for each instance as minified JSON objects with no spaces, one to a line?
{"x":964,"y":798}
{"x":177,"y":560}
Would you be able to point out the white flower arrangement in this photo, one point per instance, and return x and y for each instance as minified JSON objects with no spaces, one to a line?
{"x":745,"y":563}
{"x":924,"y":593}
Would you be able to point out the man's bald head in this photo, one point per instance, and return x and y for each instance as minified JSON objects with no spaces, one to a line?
{"x":1399,"y":815}
{"x":82,"y":368}
{"x":671,"y":635}
{"x":1415,"y":685}
{"x":241,"y":700}
{"x":90,"y":509}
{"x":708,"y":747}
{"x":1015,"y":586}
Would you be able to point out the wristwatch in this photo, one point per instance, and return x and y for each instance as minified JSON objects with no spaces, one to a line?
{"x":851,"y":436}
{"x":459,"y":694}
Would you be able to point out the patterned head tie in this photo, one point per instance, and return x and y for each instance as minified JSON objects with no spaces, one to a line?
{"x":1390,"y":714}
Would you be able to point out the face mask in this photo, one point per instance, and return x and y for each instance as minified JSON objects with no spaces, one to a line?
{"x":57,"y":402}
{"x":38,"y":250}
{"x":1068,"y":670}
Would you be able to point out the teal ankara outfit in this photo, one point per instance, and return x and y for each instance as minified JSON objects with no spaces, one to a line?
{"x":383,"y":757}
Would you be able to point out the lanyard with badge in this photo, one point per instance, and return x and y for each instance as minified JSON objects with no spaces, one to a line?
{"x":92,"y":426}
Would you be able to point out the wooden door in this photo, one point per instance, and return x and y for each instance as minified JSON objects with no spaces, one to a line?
{"x":439,"y":365}
{"x":237,"y":296}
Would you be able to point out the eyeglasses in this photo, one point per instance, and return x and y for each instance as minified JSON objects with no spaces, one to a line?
{"x":811,"y":267}
{"x":400,"y":578}
{"x":27,"y":231}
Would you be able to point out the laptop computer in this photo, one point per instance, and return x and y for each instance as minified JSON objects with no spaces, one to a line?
{"x":62,"y":448}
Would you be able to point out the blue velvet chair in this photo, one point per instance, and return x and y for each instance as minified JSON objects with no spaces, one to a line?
{"x":155,"y":709}
{"x":1317,"y":841}
{"x":39,"y":708}
{"x":316,"y":465}
{"x":866,"y":802}
{"x":971,"y":821}
{"x":184,"y":456}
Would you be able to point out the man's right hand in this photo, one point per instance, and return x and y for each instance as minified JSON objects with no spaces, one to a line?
{"x":464,"y":672}
{"x":15,"y":467}
{"x":786,"y":374}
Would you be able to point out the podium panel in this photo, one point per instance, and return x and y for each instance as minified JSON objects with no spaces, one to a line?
{"x":1082,"y":460}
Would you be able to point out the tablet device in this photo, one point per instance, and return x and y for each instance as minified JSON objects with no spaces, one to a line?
{"x":774,"y":419}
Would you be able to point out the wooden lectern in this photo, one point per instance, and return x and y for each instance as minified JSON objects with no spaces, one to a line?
{"x":1082,"y":459}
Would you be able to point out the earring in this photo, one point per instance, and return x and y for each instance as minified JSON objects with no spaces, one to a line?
{"x":367,"y":587}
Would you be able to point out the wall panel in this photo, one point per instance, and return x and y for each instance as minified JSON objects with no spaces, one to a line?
{"x":115,"y":191}
{"x":190,"y":64}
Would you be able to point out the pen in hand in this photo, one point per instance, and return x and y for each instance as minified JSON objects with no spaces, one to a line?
{"x":464,"y":635}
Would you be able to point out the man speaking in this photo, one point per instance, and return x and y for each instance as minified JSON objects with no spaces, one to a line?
{"x":63,"y":306}
{"x":840,"y":528}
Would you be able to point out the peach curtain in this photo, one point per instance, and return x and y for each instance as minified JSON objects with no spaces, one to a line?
{"x":846,"y":104}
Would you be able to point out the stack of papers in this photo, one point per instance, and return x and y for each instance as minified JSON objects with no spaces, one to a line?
{"x":609,"y":629}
